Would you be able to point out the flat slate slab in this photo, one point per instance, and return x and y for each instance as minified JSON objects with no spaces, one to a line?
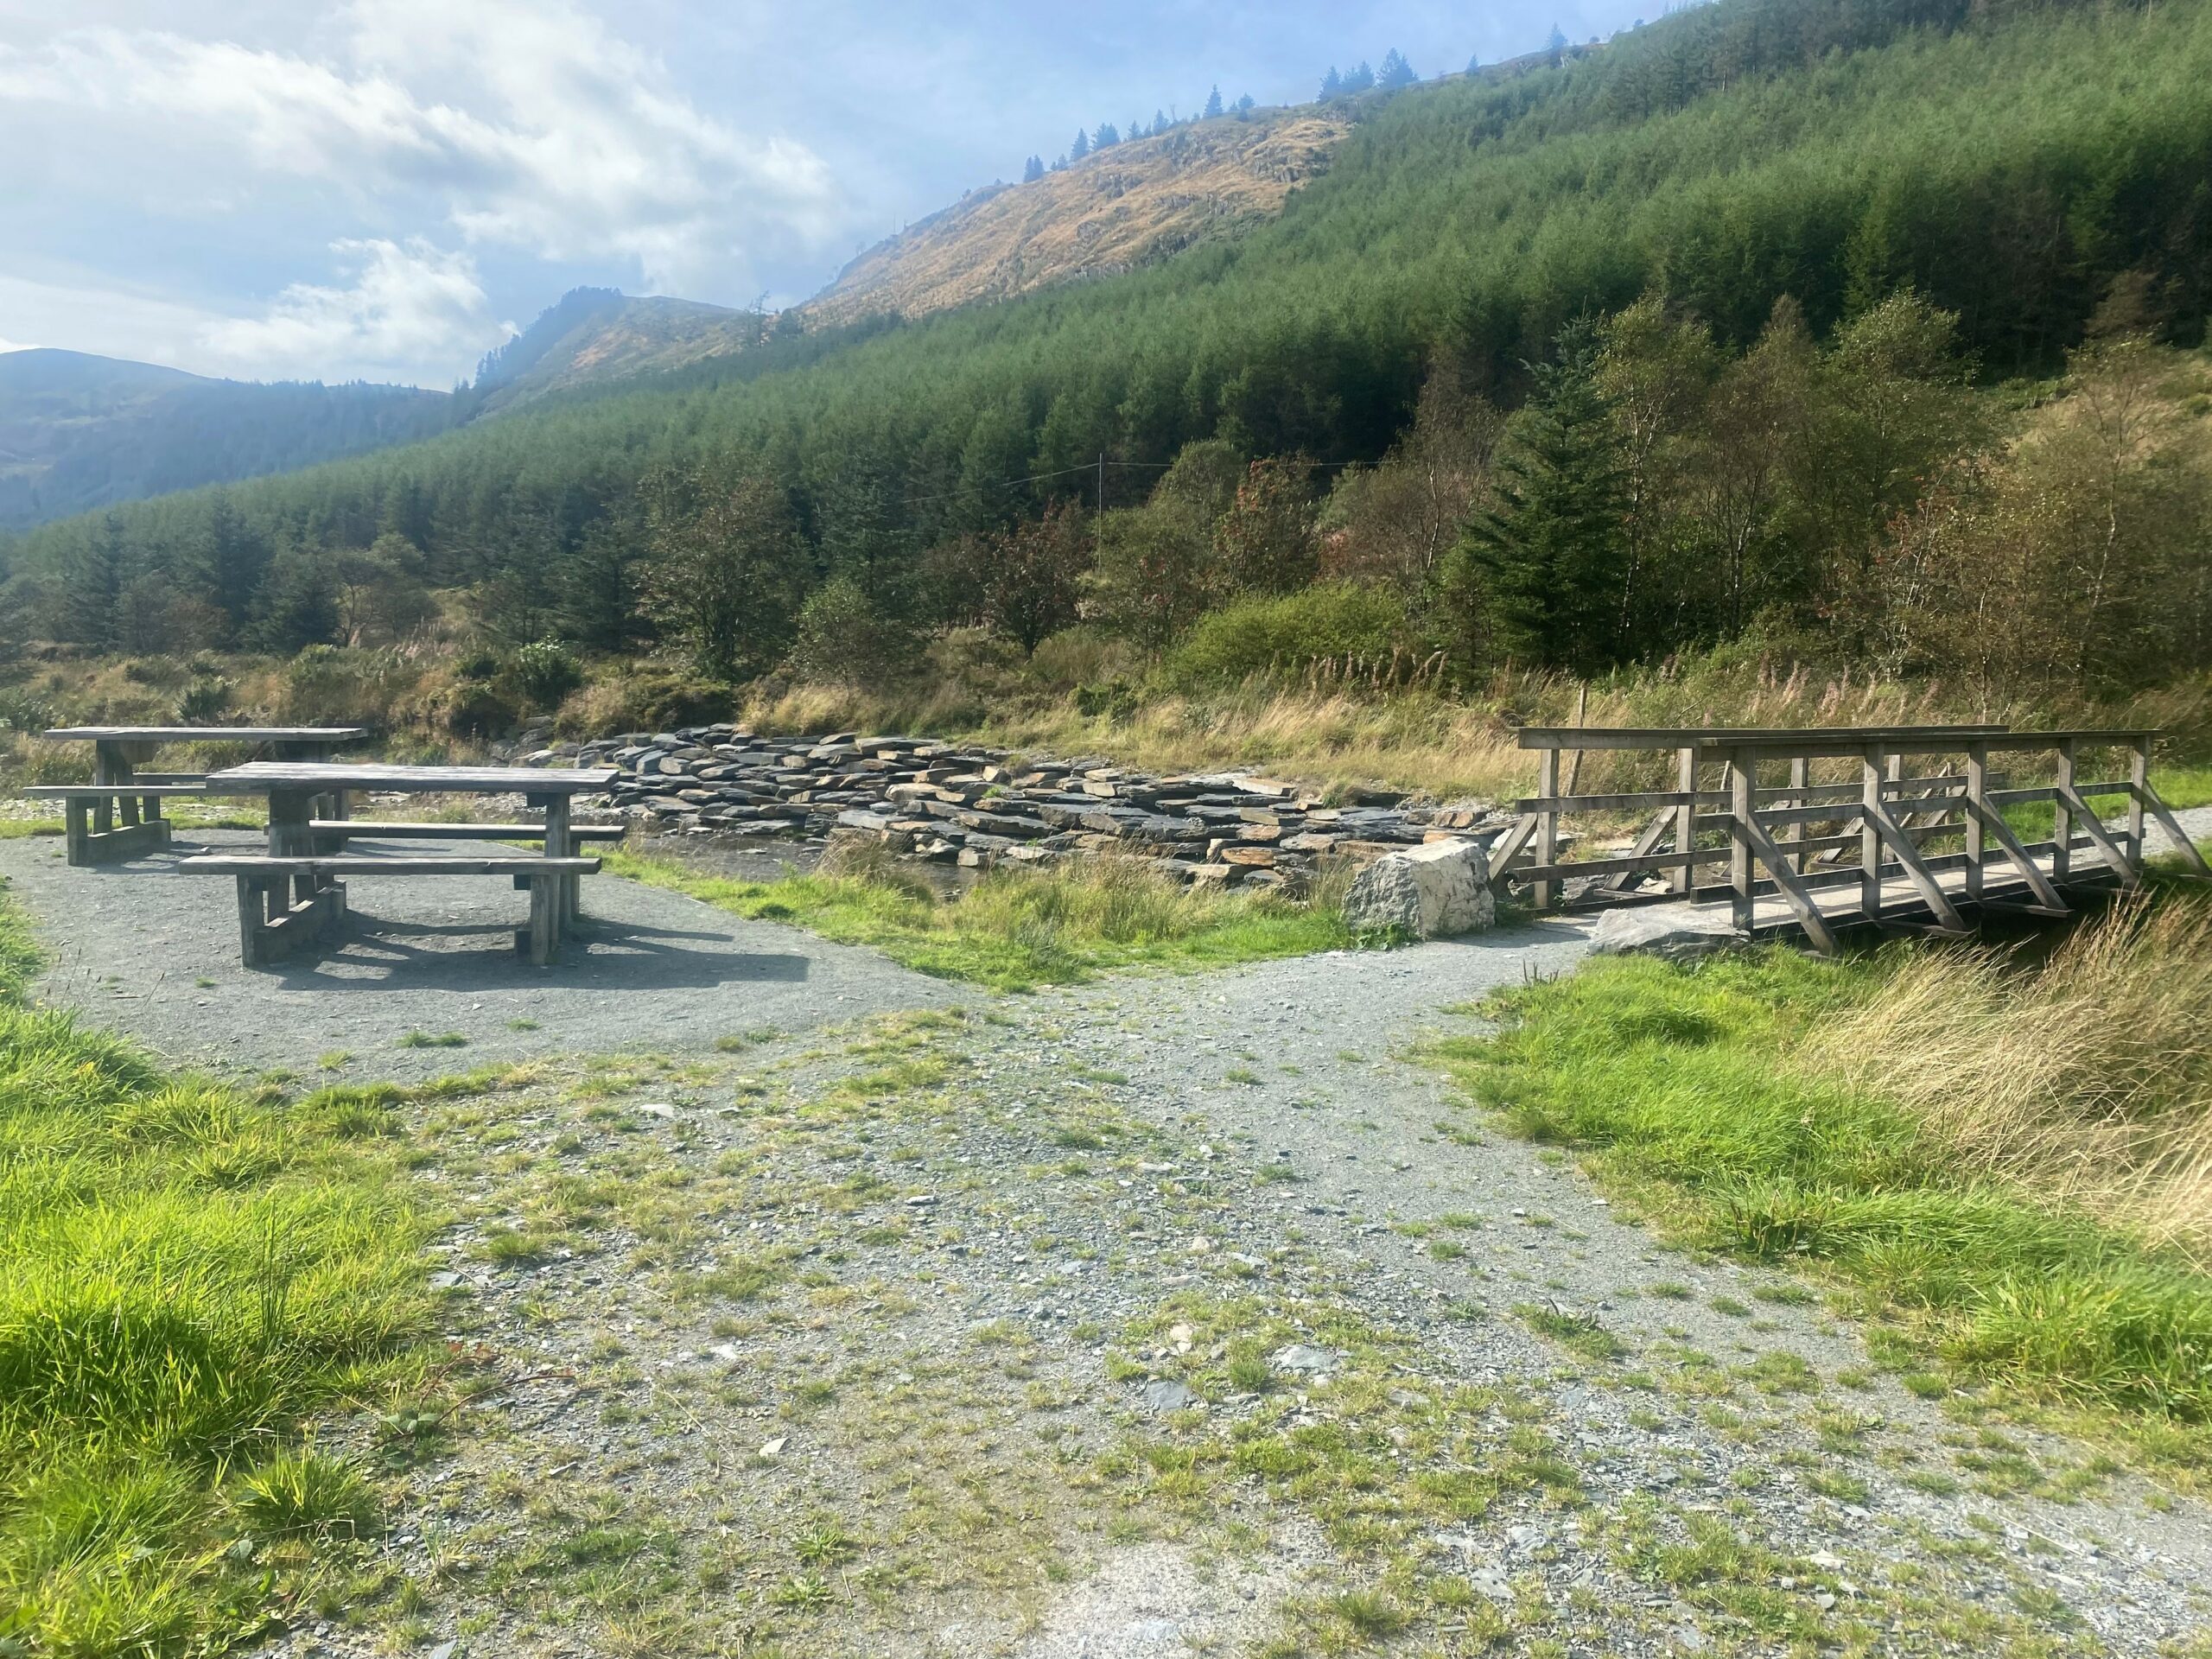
{"x":155,"y":954}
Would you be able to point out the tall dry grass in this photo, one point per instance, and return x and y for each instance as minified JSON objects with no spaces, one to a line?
{"x":1446,"y":745}
{"x":2086,"y":1079}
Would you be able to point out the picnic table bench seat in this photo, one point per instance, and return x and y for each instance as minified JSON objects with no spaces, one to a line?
{"x":119,"y":815}
{"x":285,"y":900}
{"x":380,"y":829}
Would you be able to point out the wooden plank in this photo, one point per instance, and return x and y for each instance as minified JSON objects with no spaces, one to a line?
{"x":1994,"y":821}
{"x":1713,"y":737}
{"x":367,"y":864}
{"x":1646,"y":844}
{"x":1870,"y":837}
{"x":1686,"y":760}
{"x":207,"y":734}
{"x":545,"y":918}
{"x":2114,"y":857}
{"x":1508,"y":846}
{"x":1922,"y":879}
{"x":1777,"y":817}
{"x":95,"y":791}
{"x":1741,"y":773}
{"x":380,"y":829}
{"x":2158,"y":808}
{"x":1791,"y":887}
{"x":1547,"y":824}
{"x":1627,"y":864}
{"x":259,"y":777}
{"x":1633,"y":802}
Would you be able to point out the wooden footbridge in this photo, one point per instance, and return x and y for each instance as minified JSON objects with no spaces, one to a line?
{"x":1816,"y":830}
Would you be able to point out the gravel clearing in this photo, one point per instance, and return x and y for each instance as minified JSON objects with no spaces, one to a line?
{"x":155,"y":954}
{"x":1162,"y":1315}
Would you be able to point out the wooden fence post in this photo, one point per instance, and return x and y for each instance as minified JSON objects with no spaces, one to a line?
{"x":1685,"y":877}
{"x":1743,"y":774}
{"x":1547,"y":824}
{"x":1870,"y":837}
{"x":1977,"y":797}
{"x":2138,"y":786}
{"x":2062,"y":828}
{"x":1799,"y":775}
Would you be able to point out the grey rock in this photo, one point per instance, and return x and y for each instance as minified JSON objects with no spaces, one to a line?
{"x":1305,"y":1360}
{"x":1431,"y":891}
{"x":1673,"y":932}
{"x":1167,"y":1394}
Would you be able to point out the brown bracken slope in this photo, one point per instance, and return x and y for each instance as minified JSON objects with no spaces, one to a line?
{"x":1118,"y":207}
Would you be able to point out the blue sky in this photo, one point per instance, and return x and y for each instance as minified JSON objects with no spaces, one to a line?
{"x":385,"y":189}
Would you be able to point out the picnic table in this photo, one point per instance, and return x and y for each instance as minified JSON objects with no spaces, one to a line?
{"x":296,"y":890}
{"x":119,"y":791}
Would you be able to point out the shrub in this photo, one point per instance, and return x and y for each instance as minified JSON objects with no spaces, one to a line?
{"x":545,"y":673}
{"x":641,"y":699}
{"x":204,"y":701}
{"x":845,"y":639}
{"x":1285,"y":634}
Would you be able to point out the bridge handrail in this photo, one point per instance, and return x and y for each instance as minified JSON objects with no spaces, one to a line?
{"x":1885,"y":815}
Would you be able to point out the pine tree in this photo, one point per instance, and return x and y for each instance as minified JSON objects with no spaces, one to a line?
{"x":1360,"y":79}
{"x":1244,"y":106}
{"x":1331,"y":82}
{"x":1544,"y":565}
{"x":1160,"y":123}
{"x":1557,"y":43}
{"x":1105,"y":136}
{"x":1395,"y":72}
{"x":1213,"y":106}
{"x":1474,"y":62}
{"x":1081,"y":148}
{"x":1032,"y":170}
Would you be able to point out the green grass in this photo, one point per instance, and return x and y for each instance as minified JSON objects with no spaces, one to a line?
{"x":1684,"y":1088}
{"x":187,"y":1274}
{"x":1019,"y":928}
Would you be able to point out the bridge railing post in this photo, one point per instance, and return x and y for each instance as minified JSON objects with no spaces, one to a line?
{"x":1547,"y":824}
{"x":1743,"y":795}
{"x":1978,"y":800}
{"x":2139,"y":785}
{"x":1685,"y":875}
{"x":1870,"y":837}
{"x":2061,"y":826}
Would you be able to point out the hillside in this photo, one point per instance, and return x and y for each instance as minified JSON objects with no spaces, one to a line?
{"x":79,"y":432}
{"x":1982,"y":178}
{"x":1120,"y":207}
{"x":599,"y":334}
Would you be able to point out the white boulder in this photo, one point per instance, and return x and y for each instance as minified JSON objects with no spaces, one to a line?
{"x":1431,"y":891}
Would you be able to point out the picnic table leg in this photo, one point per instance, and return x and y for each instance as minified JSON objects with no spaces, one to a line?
{"x":77,"y":819}
{"x":560,"y":843}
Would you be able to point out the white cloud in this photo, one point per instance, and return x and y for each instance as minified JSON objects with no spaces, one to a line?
{"x":530,"y":125}
{"x":410,"y":304}
{"x":411,"y":312}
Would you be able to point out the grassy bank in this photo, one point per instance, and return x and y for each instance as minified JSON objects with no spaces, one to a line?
{"x":187,"y":1274}
{"x":2007,"y":1162}
{"x":1015,"y":930}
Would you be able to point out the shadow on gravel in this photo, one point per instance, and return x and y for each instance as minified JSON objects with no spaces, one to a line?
{"x":370,"y":954}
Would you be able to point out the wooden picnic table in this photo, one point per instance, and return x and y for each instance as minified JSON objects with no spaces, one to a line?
{"x":293,"y":787}
{"x":91,"y":812}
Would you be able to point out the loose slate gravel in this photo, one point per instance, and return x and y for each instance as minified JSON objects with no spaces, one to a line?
{"x":881,"y":1285}
{"x":155,"y":954}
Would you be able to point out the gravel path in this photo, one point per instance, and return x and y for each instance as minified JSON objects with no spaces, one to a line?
{"x":1159,"y":1315}
{"x":156,"y":955}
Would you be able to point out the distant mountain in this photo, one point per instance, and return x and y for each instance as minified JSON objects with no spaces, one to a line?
{"x":79,"y":432}
{"x":1127,"y":205}
{"x":594,"y":334}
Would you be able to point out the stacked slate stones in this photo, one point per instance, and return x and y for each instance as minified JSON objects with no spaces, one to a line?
{"x":981,"y":807}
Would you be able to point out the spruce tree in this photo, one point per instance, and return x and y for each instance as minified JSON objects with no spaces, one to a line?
{"x":1395,"y":72}
{"x":1331,"y":82}
{"x":1081,"y":148}
{"x":1244,"y":106}
{"x":1105,"y":136}
{"x":1360,"y":79}
{"x":1544,"y":566}
{"x":1474,"y":62}
{"x":1213,"y":106}
{"x":1032,"y":170}
{"x":1557,"y":43}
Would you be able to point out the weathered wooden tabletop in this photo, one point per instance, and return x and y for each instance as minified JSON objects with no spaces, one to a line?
{"x":269,"y":777}
{"x":207,"y":734}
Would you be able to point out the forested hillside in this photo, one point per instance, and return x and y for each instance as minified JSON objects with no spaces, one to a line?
{"x":1704,"y":331}
{"x":79,"y":431}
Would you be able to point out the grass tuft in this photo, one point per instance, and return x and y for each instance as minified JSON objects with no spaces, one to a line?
{"x":1015,"y":930}
{"x":1749,"y":1099}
